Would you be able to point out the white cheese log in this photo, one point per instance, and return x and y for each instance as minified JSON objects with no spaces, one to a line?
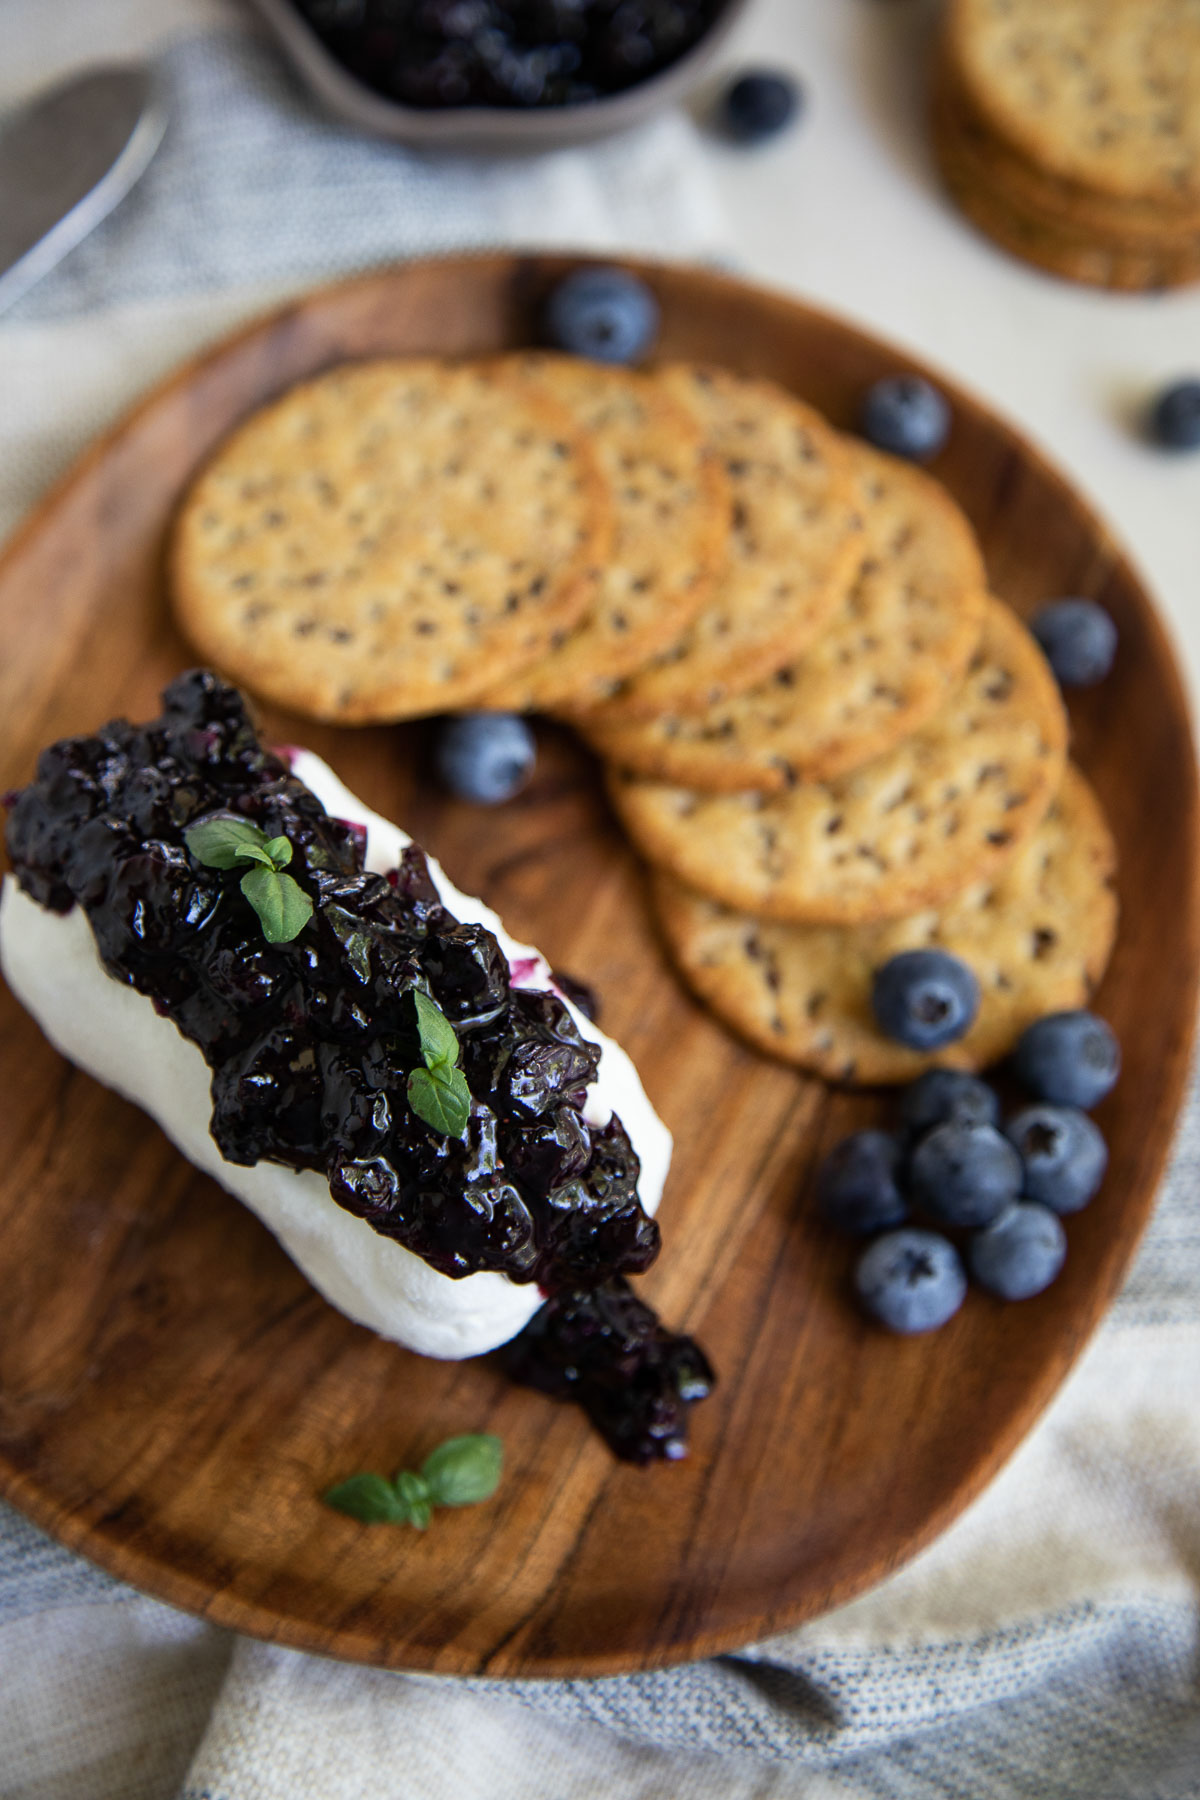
{"x":50,"y":962}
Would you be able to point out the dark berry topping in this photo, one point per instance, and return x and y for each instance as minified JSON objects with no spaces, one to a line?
{"x":605,"y":1349}
{"x":311,"y":1041}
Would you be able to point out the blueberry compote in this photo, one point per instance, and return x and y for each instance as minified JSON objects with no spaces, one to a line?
{"x":311,"y":1042}
{"x":516,"y":53}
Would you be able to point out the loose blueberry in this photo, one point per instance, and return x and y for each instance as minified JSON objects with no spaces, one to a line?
{"x":963,"y":1174}
{"x":925,"y":998}
{"x":906,"y":415}
{"x":759,"y":105}
{"x":942,"y":1094}
{"x":1020,"y":1253}
{"x":1068,"y":1058}
{"x":1175,"y":416}
{"x":1079,"y":639}
{"x":603,"y":314}
{"x":1063,"y":1152}
{"x":858,"y":1183}
{"x":911,"y":1280}
{"x":487,"y":757}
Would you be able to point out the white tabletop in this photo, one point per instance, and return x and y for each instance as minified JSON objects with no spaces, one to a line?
{"x":846,"y":210}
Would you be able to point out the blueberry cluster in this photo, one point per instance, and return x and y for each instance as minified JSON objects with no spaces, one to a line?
{"x":311,"y":1041}
{"x":1002,"y":1188}
{"x":509,"y":53}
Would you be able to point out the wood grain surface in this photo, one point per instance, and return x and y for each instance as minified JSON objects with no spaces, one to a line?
{"x":174,"y":1396}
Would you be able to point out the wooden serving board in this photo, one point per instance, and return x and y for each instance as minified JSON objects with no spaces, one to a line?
{"x":174,"y":1396}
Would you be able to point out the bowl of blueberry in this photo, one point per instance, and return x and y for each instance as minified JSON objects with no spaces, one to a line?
{"x":501,"y":74}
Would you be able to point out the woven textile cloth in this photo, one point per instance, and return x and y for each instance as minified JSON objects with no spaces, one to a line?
{"x":1046,"y":1646}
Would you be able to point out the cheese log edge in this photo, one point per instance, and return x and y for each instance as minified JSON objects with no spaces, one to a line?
{"x":111,"y":1031}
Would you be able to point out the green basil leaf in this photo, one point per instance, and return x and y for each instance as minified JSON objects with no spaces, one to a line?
{"x":223,"y":841}
{"x":438,"y":1042}
{"x":464,"y":1470}
{"x":442,"y":1098}
{"x":368,"y":1498}
{"x":412,"y":1492}
{"x":283,"y":907}
{"x":279,"y":850}
{"x":256,"y":853}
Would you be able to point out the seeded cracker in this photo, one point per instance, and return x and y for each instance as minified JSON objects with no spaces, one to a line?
{"x":1013,"y":209}
{"x":672,"y":508}
{"x":795,"y":544}
{"x":1029,"y":189}
{"x":1038,"y":939}
{"x":948,"y":806}
{"x":388,"y":539}
{"x":890,"y":655}
{"x":1103,"y":93}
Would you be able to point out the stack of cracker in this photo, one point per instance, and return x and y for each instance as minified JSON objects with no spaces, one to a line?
{"x":826,"y":738}
{"x":1069,"y":131}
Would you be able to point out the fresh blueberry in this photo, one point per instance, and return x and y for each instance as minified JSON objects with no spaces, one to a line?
{"x":1079,"y":639}
{"x":1063,"y":1152}
{"x":1068,"y":1058}
{"x":484,"y":756}
{"x":963,"y":1174}
{"x":941,"y":1094}
{"x":604,"y":314}
{"x":924,"y":998}
{"x":906,"y":415}
{"x":759,"y":105}
{"x":858,"y":1183}
{"x":911,"y":1280}
{"x":1020,"y":1253}
{"x":1175,"y":416}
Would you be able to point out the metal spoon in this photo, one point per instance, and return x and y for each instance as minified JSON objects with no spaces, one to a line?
{"x":66,"y":159}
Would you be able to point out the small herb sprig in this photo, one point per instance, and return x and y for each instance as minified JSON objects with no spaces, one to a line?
{"x":438,"y":1093}
{"x":461,"y":1472}
{"x":282,"y":905}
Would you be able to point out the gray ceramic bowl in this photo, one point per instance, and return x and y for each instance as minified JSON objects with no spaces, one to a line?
{"x":489,"y":127}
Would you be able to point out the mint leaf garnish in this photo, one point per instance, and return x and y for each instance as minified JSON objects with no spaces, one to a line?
{"x":223,"y":842}
{"x":461,"y":1472}
{"x":440,"y":1096}
{"x":282,"y":905}
{"x":438,"y":1093}
{"x":438,"y":1042}
{"x":415,"y":1498}
{"x":464,"y":1470}
{"x":369,"y":1498}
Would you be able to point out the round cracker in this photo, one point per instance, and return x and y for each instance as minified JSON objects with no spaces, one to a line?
{"x":1038,"y":939}
{"x":672,"y":515}
{"x":947,"y":807}
{"x":792,"y":550}
{"x":1104,"y":93}
{"x":1134,"y":264}
{"x":387,"y":539}
{"x":1072,"y":255}
{"x":890,"y":655}
{"x":1031,"y":190}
